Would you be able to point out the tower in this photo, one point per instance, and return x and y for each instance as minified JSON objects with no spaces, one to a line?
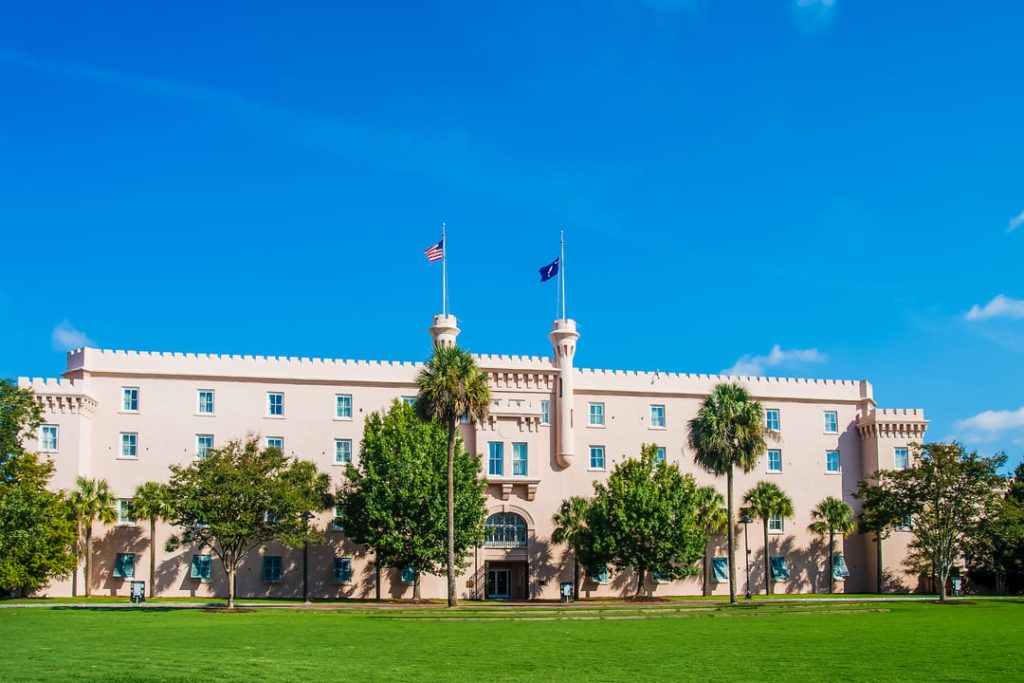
{"x":444,"y":331}
{"x":563,"y":340}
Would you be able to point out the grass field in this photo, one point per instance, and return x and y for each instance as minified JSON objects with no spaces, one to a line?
{"x":589,"y":642}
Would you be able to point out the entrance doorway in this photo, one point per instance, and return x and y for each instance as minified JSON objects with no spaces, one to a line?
{"x":506,"y":581}
{"x":498,"y":583}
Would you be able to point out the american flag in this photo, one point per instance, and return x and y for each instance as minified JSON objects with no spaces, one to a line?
{"x":435,"y":252}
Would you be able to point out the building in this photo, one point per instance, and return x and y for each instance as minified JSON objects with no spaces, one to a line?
{"x":554,"y":429}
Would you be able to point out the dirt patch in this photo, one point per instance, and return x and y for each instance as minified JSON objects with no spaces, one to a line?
{"x":233,"y":610}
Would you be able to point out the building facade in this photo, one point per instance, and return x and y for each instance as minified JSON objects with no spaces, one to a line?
{"x":553,"y":431}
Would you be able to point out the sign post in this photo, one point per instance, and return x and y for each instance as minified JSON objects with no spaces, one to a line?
{"x":566,"y":591}
{"x":137,"y":591}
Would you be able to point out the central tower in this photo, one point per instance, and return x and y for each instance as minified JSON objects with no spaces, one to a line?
{"x":563,"y":340}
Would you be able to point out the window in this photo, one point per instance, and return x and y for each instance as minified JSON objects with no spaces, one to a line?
{"x":545,"y":412}
{"x":597,"y":414}
{"x":130,"y":399}
{"x":204,"y":442}
{"x":124,"y":566}
{"x":495,"y":458}
{"x":343,"y":570}
{"x":336,"y":521}
{"x":661,"y":454}
{"x":409,"y":401}
{"x":343,"y":406}
{"x":720,"y":567}
{"x":124,"y":511}
{"x":342,"y":451}
{"x":774,"y":460}
{"x":519,"y":460}
{"x":780,"y":572}
{"x":48,"y":438}
{"x":201,"y":566}
{"x":464,"y":419}
{"x":600,"y":576}
{"x":831,"y":422}
{"x":408,"y":575}
{"x":275,"y":404}
{"x":657,"y":417}
{"x":839,"y":568}
{"x":775,"y":524}
{"x":771,"y":419}
{"x":276,"y":442}
{"x":901,"y":458}
{"x":906,"y":523}
{"x":205,"y":402}
{"x":597,"y":457}
{"x":832,"y":462}
{"x":505,"y":530}
{"x":129,"y":445}
{"x":271,"y":568}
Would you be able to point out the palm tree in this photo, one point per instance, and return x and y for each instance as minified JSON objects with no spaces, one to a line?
{"x":728,"y":432}
{"x":91,"y":501}
{"x":711,"y":516}
{"x":150,"y":502}
{"x":450,"y":386}
{"x":571,"y":528}
{"x":831,"y":516}
{"x":764,"y":501}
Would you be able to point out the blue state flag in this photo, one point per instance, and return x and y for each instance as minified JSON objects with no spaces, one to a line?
{"x":549,"y":271}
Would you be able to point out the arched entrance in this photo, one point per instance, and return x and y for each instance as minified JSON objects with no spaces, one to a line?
{"x":507,"y":578}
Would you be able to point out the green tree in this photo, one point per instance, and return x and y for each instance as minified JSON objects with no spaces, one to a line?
{"x":764,"y":501}
{"x":150,"y":502}
{"x":830,"y":517}
{"x":91,"y":501}
{"x":644,"y":517}
{"x":728,"y":432}
{"x":571,"y":529}
{"x":881,"y":513}
{"x":20,"y":417}
{"x":998,"y":547}
{"x":450,"y":386}
{"x":240,"y":497}
{"x":713,"y":518}
{"x":393,"y":502}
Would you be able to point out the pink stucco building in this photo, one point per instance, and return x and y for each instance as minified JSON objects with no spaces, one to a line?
{"x":554,"y":429}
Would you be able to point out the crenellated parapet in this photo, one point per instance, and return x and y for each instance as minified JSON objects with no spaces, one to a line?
{"x":905,"y":423}
{"x":61,"y":396}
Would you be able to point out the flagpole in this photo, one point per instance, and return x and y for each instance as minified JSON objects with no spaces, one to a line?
{"x":561,"y":271}
{"x":444,"y":271}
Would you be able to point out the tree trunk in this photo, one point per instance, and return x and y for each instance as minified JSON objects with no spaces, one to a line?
{"x":575,"y":577}
{"x":767,"y":562}
{"x":878,"y":564}
{"x":152,"y":557}
{"x":706,"y":583}
{"x":828,"y":569}
{"x":640,"y":583}
{"x":376,"y":569}
{"x":231,"y":588}
{"x":452,"y":601}
{"x":88,"y":559}
{"x":732,"y":549}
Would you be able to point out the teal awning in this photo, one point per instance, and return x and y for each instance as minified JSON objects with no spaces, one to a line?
{"x":780,"y":572}
{"x":839,"y":569}
{"x":720,"y":565}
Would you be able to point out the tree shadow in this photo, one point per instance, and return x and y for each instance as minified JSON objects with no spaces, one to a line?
{"x":119,"y":539}
{"x":540,"y":568}
{"x":893,"y":583}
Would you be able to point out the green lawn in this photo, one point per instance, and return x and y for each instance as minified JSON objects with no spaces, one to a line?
{"x":590,"y":642}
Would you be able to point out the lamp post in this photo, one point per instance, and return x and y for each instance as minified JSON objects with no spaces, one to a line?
{"x":307,"y":515}
{"x":746,"y":520}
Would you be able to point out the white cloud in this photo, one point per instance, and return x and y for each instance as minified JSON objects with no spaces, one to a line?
{"x":67,"y":337}
{"x":777,"y":357}
{"x":1000,"y":307}
{"x":1016,"y":222}
{"x":990,"y":425}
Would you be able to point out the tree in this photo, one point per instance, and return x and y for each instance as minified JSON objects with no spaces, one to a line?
{"x":241,"y":497}
{"x":881,"y":513}
{"x":571,"y":529}
{"x":91,"y":501}
{"x":450,"y":386}
{"x":948,"y":492}
{"x":998,"y":547}
{"x":644,"y":518}
{"x":713,"y":518}
{"x":830,"y":517}
{"x":394,"y":501}
{"x":150,"y":502}
{"x":764,"y":501}
{"x":728,"y":432}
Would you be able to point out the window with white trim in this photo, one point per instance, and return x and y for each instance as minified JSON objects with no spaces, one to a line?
{"x":409,"y":401}
{"x":276,"y":442}
{"x":519,"y":460}
{"x":201,"y":567}
{"x":775,"y":524}
{"x":129,"y":445}
{"x":901,"y":458}
{"x":831,"y":422}
{"x":124,"y":511}
{"x":342,"y":451}
{"x":275,"y":404}
{"x":129,"y":399}
{"x":204,"y":401}
{"x":597,"y":457}
{"x":48,"y":438}
{"x":596,"y":414}
{"x":505,"y":530}
{"x":771,"y":419}
{"x":545,"y":412}
{"x":774,"y":460}
{"x":495,"y":458}
{"x":657,"y":417}
{"x":204,"y":442}
{"x":337,"y":524}
{"x":661,"y":454}
{"x":343,"y":406}
{"x":832,"y":462}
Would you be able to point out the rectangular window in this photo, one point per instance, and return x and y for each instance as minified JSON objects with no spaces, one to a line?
{"x":276,"y":442}
{"x":906,"y":523}
{"x":408,"y":575}
{"x":657,"y":417}
{"x":780,"y":572}
{"x":201,"y":566}
{"x":336,"y":522}
{"x":661,"y":454}
{"x":545,"y":412}
{"x":832,"y":462}
{"x":774,"y":460}
{"x":204,"y":442}
{"x":720,"y":566}
{"x":129,"y":445}
{"x":204,"y":401}
{"x":343,"y":570}
{"x":124,"y":566}
{"x":597,"y":457}
{"x":519,"y":461}
{"x":464,"y":419}
{"x":409,"y":401}
{"x":600,"y":576}
{"x":597,"y":414}
{"x":901,"y":459}
{"x":130,"y":399}
{"x":771,"y":419}
{"x":275,"y":404}
{"x":271,"y":568}
{"x":496,"y":458}
{"x":775,"y":524}
{"x":831,"y":422}
{"x":48,"y":438}
{"x":124,"y":511}
{"x":839,"y":568}
{"x":342,"y":451}
{"x":343,"y":406}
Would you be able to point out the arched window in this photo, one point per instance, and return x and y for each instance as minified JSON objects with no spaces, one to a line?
{"x":506,"y":530}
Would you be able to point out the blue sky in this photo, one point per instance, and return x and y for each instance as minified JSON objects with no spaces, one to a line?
{"x":794,"y":187}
